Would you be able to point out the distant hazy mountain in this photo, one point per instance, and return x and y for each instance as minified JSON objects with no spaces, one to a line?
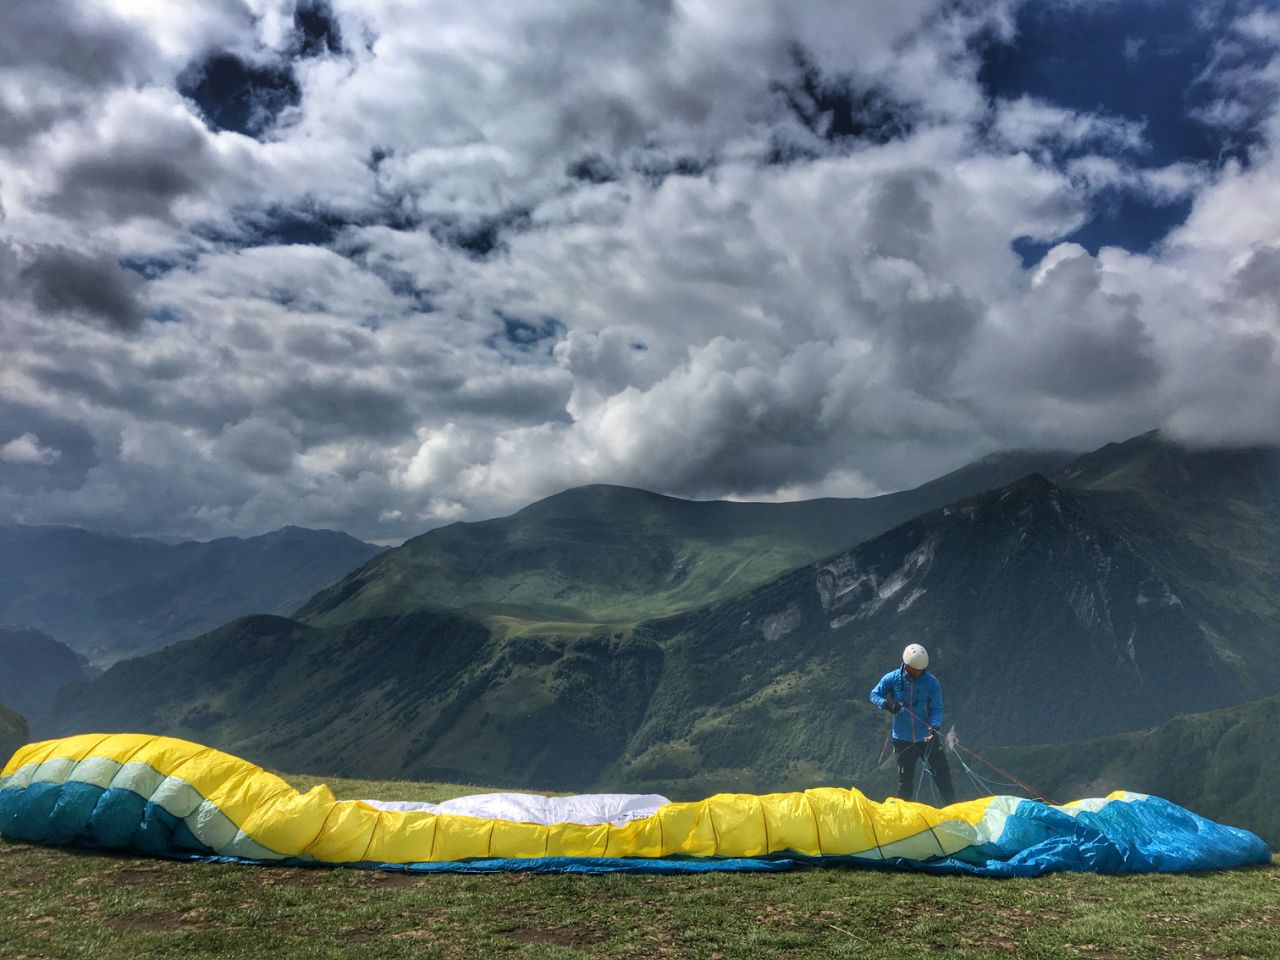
{"x":110,"y":596}
{"x":606,"y":554}
{"x":33,"y":667}
{"x":13,"y":733}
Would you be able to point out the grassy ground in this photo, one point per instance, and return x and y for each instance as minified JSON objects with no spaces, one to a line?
{"x":72,"y":904}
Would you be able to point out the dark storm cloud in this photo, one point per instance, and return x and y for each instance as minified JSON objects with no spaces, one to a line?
{"x":603,"y":116}
{"x":55,"y":51}
{"x":532,"y":398}
{"x":337,"y":408}
{"x":1092,"y":364}
{"x":900,"y":213}
{"x":142,"y":176}
{"x":65,"y":451}
{"x":592,"y":168}
{"x":264,"y":447}
{"x":94,"y":288}
{"x":337,"y":347}
{"x":926,"y":336}
{"x":69,"y":38}
{"x":750,"y":464}
{"x":929,"y":339}
{"x":1259,"y":278}
{"x":200,"y":402}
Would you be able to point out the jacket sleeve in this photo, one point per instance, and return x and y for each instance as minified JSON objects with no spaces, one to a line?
{"x":935,"y":705}
{"x":882,"y":691}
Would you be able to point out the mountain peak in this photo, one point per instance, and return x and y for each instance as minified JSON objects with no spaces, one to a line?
{"x":595,"y":498}
{"x":1154,"y":466}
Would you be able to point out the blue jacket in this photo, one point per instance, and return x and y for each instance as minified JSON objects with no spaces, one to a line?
{"x":921,"y":701}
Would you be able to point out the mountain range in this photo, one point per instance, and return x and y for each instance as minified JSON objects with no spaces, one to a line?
{"x":609,"y":554}
{"x":1107,"y":594}
{"x":13,"y":731}
{"x":110,"y":596}
{"x":33,"y":667}
{"x":559,"y":572}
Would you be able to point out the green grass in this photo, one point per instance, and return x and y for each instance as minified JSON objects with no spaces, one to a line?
{"x":57,"y":903}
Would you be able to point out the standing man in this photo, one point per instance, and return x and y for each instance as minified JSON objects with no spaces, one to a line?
{"x":914,"y":697}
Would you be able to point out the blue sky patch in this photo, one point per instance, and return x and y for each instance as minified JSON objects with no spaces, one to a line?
{"x":1143,"y":60}
{"x":148,"y":267}
{"x":165,"y":315}
{"x":834,"y":110}
{"x":478,"y":238}
{"x":317,"y":30}
{"x":242,"y":97}
{"x":526,"y":336}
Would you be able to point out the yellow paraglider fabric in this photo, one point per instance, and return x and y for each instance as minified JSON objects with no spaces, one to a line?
{"x":174,"y":798}
{"x":238,"y":809}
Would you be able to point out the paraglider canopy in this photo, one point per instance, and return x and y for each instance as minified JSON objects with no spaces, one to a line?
{"x":173,"y":798}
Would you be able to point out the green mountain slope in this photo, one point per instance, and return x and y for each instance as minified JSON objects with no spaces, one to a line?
{"x":13,"y":733}
{"x":1209,"y":522}
{"x":110,"y":596}
{"x":1052,"y":615}
{"x":766,"y":689}
{"x":614,"y":554}
{"x":1042,"y":624}
{"x":33,"y":667}
{"x":1222,"y":764}
{"x":429,"y":694}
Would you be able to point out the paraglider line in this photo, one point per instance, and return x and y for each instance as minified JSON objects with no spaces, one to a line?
{"x":983,"y":785}
{"x":1036,"y":794}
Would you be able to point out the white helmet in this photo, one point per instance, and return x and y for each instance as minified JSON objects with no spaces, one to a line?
{"x":915,"y":656}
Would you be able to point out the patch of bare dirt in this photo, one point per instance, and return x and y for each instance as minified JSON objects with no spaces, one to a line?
{"x":1025,"y":917}
{"x":132,"y":876}
{"x":416,"y":934}
{"x":575,"y":937}
{"x":992,"y":941}
{"x":780,"y":915}
{"x":159,"y":922}
{"x":392,"y":879}
{"x":288,"y":876}
{"x":1098,"y":950}
{"x":145,"y":923}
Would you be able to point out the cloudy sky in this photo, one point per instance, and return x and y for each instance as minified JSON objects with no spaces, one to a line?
{"x":377,"y":265}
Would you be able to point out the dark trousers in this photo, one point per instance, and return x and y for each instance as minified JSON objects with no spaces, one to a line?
{"x":934,"y":755}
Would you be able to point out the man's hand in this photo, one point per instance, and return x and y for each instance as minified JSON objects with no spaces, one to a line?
{"x":893,"y":706}
{"x":936,"y":732}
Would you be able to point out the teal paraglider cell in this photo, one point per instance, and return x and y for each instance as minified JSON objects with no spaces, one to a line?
{"x":71,"y":814}
{"x":116,"y":817}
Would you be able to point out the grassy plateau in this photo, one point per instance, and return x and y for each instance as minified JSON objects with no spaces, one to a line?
{"x":62,"y":903}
